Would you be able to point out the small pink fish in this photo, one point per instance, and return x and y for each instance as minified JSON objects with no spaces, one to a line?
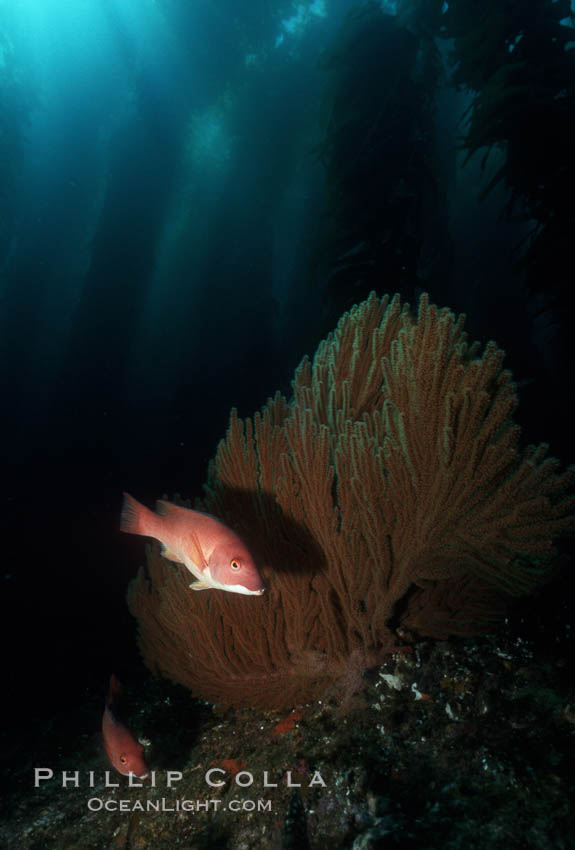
{"x":125,"y":753}
{"x":211,"y":551}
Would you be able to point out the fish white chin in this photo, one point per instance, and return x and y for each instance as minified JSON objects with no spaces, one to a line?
{"x":231,"y":588}
{"x":239,"y":588}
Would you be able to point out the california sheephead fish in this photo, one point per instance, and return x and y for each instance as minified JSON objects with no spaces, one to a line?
{"x":124,"y":752}
{"x":211,"y":551}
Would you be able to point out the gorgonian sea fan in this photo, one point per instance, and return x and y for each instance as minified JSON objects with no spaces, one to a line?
{"x":391,"y":488}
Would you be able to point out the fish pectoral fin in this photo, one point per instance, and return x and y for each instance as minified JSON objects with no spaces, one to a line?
{"x":196,"y":552}
{"x":169,"y":555}
{"x":199,"y":585}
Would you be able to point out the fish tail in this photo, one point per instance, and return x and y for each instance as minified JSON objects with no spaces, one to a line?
{"x":135,"y":517}
{"x":114,"y":690}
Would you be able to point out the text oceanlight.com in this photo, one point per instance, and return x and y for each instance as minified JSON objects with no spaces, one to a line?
{"x":98,"y":804}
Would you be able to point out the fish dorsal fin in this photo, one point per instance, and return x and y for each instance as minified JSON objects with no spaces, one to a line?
{"x":164,"y":508}
{"x":196,"y":550}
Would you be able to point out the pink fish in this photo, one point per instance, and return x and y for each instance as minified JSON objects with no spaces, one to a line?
{"x":211,"y":551}
{"x":125,"y":753}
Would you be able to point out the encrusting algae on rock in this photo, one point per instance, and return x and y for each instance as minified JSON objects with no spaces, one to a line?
{"x":389,"y":493}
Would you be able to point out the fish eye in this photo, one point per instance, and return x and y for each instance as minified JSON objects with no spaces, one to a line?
{"x":123,"y":759}
{"x":235,"y":564}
